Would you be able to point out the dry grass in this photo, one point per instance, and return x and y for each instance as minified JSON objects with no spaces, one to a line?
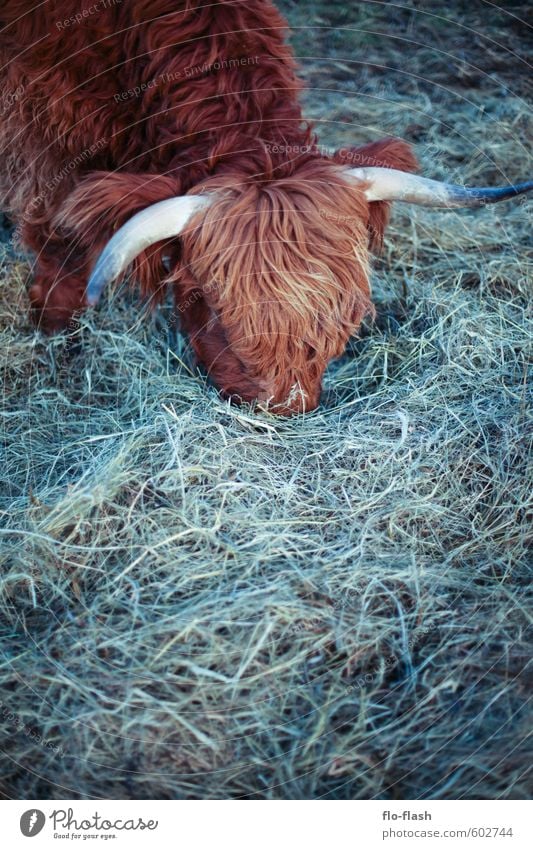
{"x":198,"y":601}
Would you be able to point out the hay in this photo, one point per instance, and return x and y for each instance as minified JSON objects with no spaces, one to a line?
{"x":199,"y":601}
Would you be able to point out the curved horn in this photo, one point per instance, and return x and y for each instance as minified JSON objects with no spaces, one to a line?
{"x":163,"y":220}
{"x":388,"y":184}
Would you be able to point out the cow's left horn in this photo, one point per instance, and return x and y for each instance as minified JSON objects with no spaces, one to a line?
{"x":163,"y":220}
{"x":388,"y":184}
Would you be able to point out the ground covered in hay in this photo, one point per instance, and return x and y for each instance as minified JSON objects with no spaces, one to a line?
{"x":198,"y":601}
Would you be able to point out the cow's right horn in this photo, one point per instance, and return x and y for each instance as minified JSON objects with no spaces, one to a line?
{"x":163,"y":220}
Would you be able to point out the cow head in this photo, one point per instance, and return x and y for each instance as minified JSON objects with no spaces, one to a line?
{"x":272,"y":277}
{"x":280,"y":269}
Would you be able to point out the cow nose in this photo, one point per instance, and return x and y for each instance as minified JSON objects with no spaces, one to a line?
{"x":291,"y":400}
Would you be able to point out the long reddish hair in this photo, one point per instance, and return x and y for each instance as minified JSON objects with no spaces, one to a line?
{"x":149,"y":100}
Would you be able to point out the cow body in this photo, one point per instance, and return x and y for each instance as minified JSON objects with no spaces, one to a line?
{"x":141,"y":101}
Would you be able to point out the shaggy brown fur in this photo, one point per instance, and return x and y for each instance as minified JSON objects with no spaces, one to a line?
{"x":272,"y":281}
